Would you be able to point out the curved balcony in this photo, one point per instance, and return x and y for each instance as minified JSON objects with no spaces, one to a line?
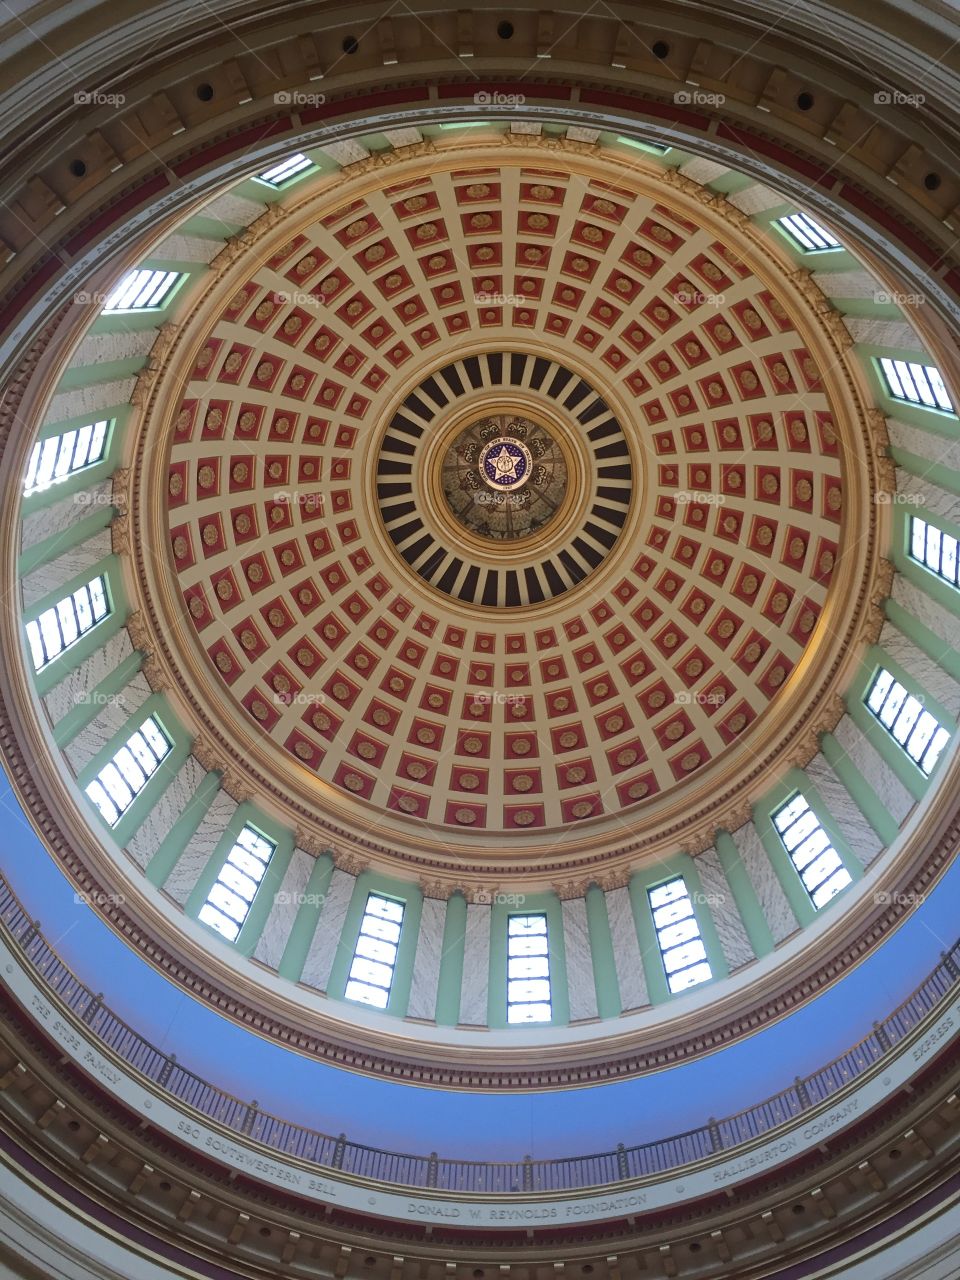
{"x":338,"y":1154}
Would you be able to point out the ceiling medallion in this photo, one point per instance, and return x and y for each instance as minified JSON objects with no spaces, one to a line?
{"x":504,"y":477}
{"x":505,"y":463}
{"x":504,"y":509}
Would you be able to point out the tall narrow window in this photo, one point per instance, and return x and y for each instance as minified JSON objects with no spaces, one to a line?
{"x":375,"y":955}
{"x":528,"y":970}
{"x":122,"y":779}
{"x":904,"y":718}
{"x":143,"y":290}
{"x":57,"y":457}
{"x":914,"y":383}
{"x":809,"y":235}
{"x":280,"y":174}
{"x":65,"y":622}
{"x":678,"y":936}
{"x":818,"y":864}
{"x":935,"y":550}
{"x":231,"y":896}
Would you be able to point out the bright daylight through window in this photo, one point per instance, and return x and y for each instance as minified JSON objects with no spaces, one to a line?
{"x":678,"y":936}
{"x":57,"y":457}
{"x":122,"y":779}
{"x":279,"y":174}
{"x":528,"y":970}
{"x":806,"y":233}
{"x":935,"y":550}
{"x":907,"y":721}
{"x":65,"y":622}
{"x":818,"y":864}
{"x":375,"y":954}
{"x":920,"y":384}
{"x":143,"y":290}
{"x":231,"y":895}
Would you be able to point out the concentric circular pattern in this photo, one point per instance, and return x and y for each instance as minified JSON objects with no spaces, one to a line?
{"x":329,"y":646}
{"x":487,"y":466}
{"x":505,"y":478}
{"x":505,"y":462}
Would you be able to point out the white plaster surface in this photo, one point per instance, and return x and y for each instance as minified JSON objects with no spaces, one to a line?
{"x":51,"y":575}
{"x":723,"y":910}
{"x":927,"y":496}
{"x":931,"y":677}
{"x":756,"y":199}
{"x":173,"y":803}
{"x":91,"y":400}
{"x":118,"y":717}
{"x":75,"y":686}
{"x":855,"y":829}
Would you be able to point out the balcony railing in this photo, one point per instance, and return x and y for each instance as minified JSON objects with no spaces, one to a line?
{"x":473,"y":1176}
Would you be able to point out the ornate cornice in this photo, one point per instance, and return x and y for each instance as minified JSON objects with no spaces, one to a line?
{"x":120,"y":535}
{"x":440,"y":889}
{"x":569,"y":889}
{"x":203,"y":750}
{"x":348,"y":862}
{"x":309,"y":843}
{"x":875,"y":616}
